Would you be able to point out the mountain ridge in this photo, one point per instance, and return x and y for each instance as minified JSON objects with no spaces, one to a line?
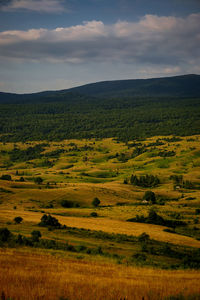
{"x":175,"y":86}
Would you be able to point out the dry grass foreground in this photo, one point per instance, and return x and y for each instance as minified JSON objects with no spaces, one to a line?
{"x":28,"y":276}
{"x":108,"y":225}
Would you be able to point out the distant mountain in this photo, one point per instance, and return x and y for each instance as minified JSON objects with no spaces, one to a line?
{"x":185,"y":85}
{"x":177,"y":86}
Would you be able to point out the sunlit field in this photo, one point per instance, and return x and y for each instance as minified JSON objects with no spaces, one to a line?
{"x":38,"y":276}
{"x":112,"y":250}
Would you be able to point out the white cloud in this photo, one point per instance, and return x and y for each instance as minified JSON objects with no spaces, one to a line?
{"x":168,"y":41}
{"x":43,"y":6}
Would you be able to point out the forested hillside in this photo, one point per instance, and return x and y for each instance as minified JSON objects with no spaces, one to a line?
{"x":85,"y":112}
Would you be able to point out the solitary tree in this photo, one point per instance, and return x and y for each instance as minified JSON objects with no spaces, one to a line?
{"x":38,"y":180}
{"x":5,"y":234}
{"x":36,"y":234}
{"x":18,"y":220}
{"x":150,"y":197}
{"x":144,"y":237}
{"x":96,"y":202}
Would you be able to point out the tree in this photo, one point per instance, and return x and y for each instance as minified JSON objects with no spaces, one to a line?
{"x":96,"y":202}
{"x":150,"y":197}
{"x":144,"y":237}
{"x":18,"y":220}
{"x":5,"y":234}
{"x":125,"y":181}
{"x":38,"y":180}
{"x":36,"y":234}
{"x":132,"y":179}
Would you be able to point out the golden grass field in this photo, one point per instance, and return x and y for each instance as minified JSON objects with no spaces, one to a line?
{"x":34,"y":276}
{"x":85,"y":169}
{"x":107,"y":225}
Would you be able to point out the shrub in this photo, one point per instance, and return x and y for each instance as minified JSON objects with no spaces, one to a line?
{"x":18,"y":220}
{"x":169,"y":230}
{"x":140,"y":256}
{"x":96,"y":202}
{"x":67,"y":203}
{"x":94,"y":214}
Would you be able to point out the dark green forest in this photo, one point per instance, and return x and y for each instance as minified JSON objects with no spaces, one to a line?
{"x":69,"y":114}
{"x":124,"y":118}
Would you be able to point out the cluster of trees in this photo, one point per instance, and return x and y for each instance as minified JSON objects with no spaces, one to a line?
{"x":6,"y":177}
{"x":30,"y":153}
{"x":154,"y":218}
{"x":166,"y":153}
{"x":143,"y":181}
{"x":49,"y":221}
{"x":68,"y":204}
{"x":186,"y":184}
{"x":138,"y":151}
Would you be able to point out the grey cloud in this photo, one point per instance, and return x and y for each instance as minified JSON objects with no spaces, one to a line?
{"x":155,"y":40}
{"x":43,"y":6}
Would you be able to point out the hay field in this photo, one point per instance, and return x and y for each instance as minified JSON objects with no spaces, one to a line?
{"x":41,"y":276}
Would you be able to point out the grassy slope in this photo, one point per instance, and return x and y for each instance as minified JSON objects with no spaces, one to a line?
{"x":53,"y":278}
{"x":80,"y":175}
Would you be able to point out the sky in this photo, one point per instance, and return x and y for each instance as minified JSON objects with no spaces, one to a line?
{"x":58,"y":44}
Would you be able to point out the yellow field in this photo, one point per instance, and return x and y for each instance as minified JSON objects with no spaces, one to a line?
{"x":112,"y":226}
{"x":28,"y":276}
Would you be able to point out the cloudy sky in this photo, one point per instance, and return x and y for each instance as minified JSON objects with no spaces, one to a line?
{"x":57,"y":44}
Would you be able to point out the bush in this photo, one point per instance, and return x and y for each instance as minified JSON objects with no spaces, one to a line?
{"x":140,"y":257}
{"x":96,"y":202}
{"x":68,"y":204}
{"x":18,"y":220}
{"x":94,"y":214}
